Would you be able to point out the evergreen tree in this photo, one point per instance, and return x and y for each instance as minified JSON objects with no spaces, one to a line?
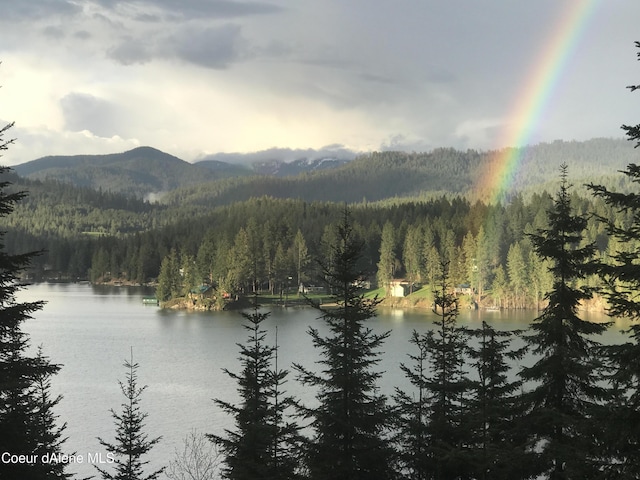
{"x":518,"y":273}
{"x":351,"y":418}
{"x":48,"y":436}
{"x":566,"y":392}
{"x":169,"y":281}
{"x":494,"y":407}
{"x":387,"y":263}
{"x":262,"y":446}
{"x":622,"y":279}
{"x":131,"y":443}
{"x":412,"y":255}
{"x":412,"y":410}
{"x":27,"y":422}
{"x":447,"y":384}
{"x":300,"y":256}
{"x":189,"y":275}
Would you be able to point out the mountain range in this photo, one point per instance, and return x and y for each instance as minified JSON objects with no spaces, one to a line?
{"x":146,"y":172}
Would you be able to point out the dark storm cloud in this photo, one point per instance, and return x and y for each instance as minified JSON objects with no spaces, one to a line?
{"x":87,"y":112}
{"x":37,"y":9}
{"x":211,"y":47}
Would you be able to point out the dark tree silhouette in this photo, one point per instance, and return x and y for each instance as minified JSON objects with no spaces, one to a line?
{"x":447,"y":449}
{"x":351,"y":419}
{"x":263,"y":443}
{"x":621,"y":276}
{"x":27,"y":421}
{"x":566,"y":375}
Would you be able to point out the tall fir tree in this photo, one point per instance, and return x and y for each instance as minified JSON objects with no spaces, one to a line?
{"x":27,"y":421}
{"x":49,"y":437}
{"x":621,"y":276}
{"x":448,"y":446}
{"x":131,"y":443}
{"x":411,"y":415}
{"x":263,"y":444}
{"x":387,"y":263}
{"x":352,"y":418}
{"x":169,"y":281}
{"x":493,"y":407}
{"x":566,"y":392}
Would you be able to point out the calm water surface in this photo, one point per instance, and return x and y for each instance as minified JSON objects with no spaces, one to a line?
{"x":91,"y":330}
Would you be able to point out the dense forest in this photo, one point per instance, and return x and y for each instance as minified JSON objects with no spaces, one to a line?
{"x":262,"y":237}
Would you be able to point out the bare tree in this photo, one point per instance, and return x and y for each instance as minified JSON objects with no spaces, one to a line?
{"x":199,"y":459}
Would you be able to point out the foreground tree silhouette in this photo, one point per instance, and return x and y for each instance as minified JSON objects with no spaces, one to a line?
{"x":566,"y":392}
{"x":411,"y":414}
{"x":27,"y":422}
{"x":131,"y":443}
{"x":621,"y":276}
{"x":351,"y":419}
{"x":493,"y":407}
{"x":262,"y":445}
{"x":448,"y":447}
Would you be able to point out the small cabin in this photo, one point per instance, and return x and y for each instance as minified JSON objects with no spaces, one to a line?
{"x":307,"y":289}
{"x":398,"y":288}
{"x":463,"y":289}
{"x":201,"y":292}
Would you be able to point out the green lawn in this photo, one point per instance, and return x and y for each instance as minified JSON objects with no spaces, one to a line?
{"x":424,"y":292}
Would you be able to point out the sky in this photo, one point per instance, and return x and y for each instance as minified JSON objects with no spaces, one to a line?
{"x":199,"y":77}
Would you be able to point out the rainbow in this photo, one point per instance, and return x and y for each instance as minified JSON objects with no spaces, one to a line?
{"x":533,"y":100}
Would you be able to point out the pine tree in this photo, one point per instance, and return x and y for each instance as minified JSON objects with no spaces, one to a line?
{"x":27,"y":422}
{"x":48,"y":436}
{"x":351,"y":419}
{"x":169,"y":281}
{"x":494,"y":407}
{"x":566,"y":392}
{"x":131,"y":443}
{"x":447,"y":384}
{"x":263,"y":443}
{"x":621,"y":276}
{"x":387,"y":263}
{"x":411,"y":415}
{"x":300,"y":257}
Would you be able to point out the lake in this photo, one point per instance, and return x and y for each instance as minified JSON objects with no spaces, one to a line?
{"x":91,"y":331}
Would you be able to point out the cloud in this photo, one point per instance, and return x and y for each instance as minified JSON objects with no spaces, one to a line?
{"x":82,"y":111}
{"x":82,"y":35}
{"x":29,"y":10}
{"x":190,"y":9}
{"x":213,"y":47}
{"x":201,"y":76}
{"x":131,"y":51}
{"x":209,"y":47}
{"x":53,"y":32}
{"x":36,"y":142}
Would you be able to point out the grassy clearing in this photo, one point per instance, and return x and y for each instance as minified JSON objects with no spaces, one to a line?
{"x":372,"y":293}
{"x":422,"y":293}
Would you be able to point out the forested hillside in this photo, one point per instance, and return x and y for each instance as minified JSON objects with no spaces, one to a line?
{"x":138,"y":172}
{"x":370,"y":177}
{"x":390,"y":175}
{"x":249,"y":233}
